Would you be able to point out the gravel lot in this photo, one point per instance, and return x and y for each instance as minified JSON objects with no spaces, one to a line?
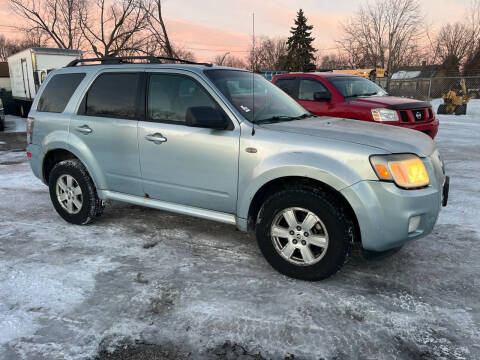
{"x":146,"y":284}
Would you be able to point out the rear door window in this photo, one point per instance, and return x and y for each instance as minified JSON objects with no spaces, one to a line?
{"x":308,"y":87}
{"x":113,"y":95}
{"x":288,"y":85}
{"x":58,"y":92}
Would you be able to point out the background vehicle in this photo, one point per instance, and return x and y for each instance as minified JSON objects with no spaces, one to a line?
{"x":371,"y":74}
{"x":2,"y":116}
{"x":227,"y":145}
{"x":353,"y":97}
{"x":455,"y":100}
{"x":29,"y":68}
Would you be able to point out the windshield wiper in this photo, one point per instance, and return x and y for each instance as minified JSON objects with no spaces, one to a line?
{"x":279,"y":118}
{"x":358,"y":95}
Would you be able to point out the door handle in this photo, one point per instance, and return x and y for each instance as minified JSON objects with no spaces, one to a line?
{"x":84,"y":129}
{"x":156,"y":138}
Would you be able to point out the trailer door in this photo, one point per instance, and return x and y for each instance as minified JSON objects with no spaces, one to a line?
{"x":26,"y":81}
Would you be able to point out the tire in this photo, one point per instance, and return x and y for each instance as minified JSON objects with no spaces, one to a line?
{"x":333,"y":225}
{"x":69,"y":180}
{"x":461,"y":110}
{"x":442,"y":109}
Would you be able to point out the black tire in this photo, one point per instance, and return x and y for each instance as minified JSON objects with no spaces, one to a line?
{"x":325,"y":208}
{"x":91,"y":205}
{"x":442,"y":109}
{"x":2,"y":124}
{"x":461,"y":110}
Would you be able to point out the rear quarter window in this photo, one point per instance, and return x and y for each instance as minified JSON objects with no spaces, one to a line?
{"x":112,"y":95}
{"x":58,"y":92}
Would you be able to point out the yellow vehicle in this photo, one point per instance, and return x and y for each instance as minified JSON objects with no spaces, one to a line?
{"x":371,"y":74}
{"x":455,"y":100}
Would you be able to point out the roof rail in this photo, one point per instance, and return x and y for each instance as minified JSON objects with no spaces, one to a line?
{"x":127,"y":60}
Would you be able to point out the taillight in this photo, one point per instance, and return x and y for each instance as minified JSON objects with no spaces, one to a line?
{"x":30,"y":122}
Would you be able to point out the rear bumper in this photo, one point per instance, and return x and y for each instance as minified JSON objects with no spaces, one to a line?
{"x":384,"y":212}
{"x":35,"y":160}
{"x":429,"y":128}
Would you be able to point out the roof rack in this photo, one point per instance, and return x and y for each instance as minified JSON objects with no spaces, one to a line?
{"x":127,"y":60}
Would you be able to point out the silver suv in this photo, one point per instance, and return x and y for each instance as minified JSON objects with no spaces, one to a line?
{"x":227,"y":145}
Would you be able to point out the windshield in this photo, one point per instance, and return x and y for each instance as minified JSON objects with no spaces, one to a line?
{"x":353,"y":86}
{"x":269,"y":103}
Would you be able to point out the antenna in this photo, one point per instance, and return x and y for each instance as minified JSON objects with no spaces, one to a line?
{"x":253,"y":73}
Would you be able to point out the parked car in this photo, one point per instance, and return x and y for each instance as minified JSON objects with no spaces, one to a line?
{"x":354,"y":97}
{"x":227,"y":145}
{"x":2,"y":116}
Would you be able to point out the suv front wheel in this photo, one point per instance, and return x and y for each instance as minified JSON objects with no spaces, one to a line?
{"x":73,"y":192}
{"x":303,"y":234}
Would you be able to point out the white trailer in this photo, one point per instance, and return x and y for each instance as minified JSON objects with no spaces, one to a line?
{"x":29,"y":68}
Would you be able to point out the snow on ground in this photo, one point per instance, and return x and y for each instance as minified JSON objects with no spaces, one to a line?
{"x":67,"y":292}
{"x":15,"y":123}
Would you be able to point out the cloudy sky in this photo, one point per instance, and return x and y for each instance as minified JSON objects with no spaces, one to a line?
{"x":211,"y":27}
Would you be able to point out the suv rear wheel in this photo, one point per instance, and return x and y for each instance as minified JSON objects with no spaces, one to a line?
{"x":73,"y":193}
{"x":303,"y":234}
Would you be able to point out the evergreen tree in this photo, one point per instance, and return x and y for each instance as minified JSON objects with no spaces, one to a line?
{"x":299,"y":44}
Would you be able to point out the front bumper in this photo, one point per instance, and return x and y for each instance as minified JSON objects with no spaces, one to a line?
{"x":385,"y":211}
{"x":429,"y":128}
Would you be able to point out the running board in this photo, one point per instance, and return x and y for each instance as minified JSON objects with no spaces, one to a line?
{"x":168,"y":206}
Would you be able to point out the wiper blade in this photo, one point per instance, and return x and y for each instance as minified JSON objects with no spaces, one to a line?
{"x":358,"y":95}
{"x":279,"y":118}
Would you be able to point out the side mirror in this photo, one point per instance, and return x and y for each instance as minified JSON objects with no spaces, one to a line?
{"x":322,"y":96}
{"x":206,"y":117}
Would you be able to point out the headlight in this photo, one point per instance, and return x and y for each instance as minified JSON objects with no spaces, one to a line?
{"x":406,"y":170}
{"x":382,"y":114}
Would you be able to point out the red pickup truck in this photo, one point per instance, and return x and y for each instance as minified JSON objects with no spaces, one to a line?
{"x":354,"y":97}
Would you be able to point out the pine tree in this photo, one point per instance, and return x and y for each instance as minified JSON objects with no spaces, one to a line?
{"x":299,"y":44}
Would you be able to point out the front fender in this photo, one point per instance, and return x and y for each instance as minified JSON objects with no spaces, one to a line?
{"x":331,"y":171}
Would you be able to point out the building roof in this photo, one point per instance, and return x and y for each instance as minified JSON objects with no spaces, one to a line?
{"x":4,"y":69}
{"x":412,"y":72}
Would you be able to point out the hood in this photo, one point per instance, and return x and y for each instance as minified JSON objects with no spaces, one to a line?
{"x":390,"y":138}
{"x":390,"y":102}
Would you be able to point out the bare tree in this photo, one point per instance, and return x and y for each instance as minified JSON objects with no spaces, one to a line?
{"x":229,"y":60}
{"x":10,"y":47}
{"x":383,"y":33}
{"x":453,"y":40}
{"x":333,"y":61}
{"x":268,"y":54}
{"x":157,"y":28}
{"x":116,"y":28}
{"x":58,"y":19}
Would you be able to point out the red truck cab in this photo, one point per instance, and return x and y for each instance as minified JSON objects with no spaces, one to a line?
{"x":354,"y":97}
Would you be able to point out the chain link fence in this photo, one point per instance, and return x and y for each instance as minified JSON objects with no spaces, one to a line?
{"x":429,"y":88}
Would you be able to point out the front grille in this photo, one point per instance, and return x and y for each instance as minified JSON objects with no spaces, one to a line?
{"x":404,"y":116}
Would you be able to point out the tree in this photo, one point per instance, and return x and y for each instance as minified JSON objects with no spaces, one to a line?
{"x":229,"y":60}
{"x":453,"y":41}
{"x":299,"y":45}
{"x":472,"y":65}
{"x":116,"y":28}
{"x":268,"y":54}
{"x":333,"y":61}
{"x":58,"y":19}
{"x":10,"y":47}
{"x":383,"y":33}
{"x":158,"y":30}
